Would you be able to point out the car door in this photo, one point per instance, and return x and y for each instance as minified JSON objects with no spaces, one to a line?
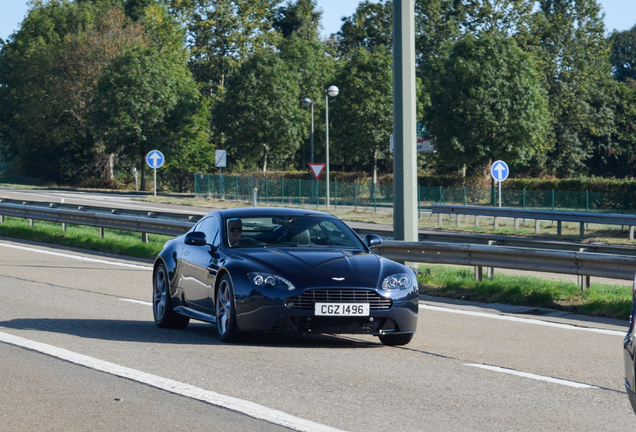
{"x":199,"y":267}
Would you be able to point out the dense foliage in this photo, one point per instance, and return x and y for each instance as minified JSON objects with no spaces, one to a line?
{"x":88,"y":87}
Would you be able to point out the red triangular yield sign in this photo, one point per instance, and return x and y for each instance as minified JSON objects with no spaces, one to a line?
{"x":316,"y":169}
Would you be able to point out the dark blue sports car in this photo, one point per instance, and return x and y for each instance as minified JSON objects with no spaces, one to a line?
{"x":279,"y":269}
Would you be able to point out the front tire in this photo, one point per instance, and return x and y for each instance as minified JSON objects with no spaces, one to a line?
{"x":396,"y":339}
{"x":165,"y":316}
{"x":226,"y":313}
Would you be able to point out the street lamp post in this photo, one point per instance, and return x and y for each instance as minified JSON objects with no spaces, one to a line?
{"x":333,"y":92}
{"x":307,"y":102}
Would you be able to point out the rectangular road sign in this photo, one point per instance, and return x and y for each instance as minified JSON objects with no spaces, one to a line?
{"x":220,"y":158}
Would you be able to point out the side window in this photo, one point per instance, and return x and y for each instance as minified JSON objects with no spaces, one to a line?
{"x":210,"y":226}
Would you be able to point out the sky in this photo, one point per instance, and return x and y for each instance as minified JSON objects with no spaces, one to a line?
{"x":619,"y":14}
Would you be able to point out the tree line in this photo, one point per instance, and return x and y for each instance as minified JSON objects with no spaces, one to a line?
{"x":89,"y":87}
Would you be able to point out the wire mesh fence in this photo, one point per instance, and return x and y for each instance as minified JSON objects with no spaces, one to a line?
{"x":364,"y":193}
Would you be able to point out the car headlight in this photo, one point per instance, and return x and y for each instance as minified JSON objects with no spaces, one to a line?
{"x":265,"y":279}
{"x":396,"y":282}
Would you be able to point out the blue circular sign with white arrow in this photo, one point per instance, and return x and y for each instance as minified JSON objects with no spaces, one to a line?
{"x":499,"y":170}
{"x":155,"y":159}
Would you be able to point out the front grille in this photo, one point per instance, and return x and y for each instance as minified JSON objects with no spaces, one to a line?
{"x":309,"y":298}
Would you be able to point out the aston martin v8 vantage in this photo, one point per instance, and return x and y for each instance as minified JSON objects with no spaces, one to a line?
{"x":278,"y":269}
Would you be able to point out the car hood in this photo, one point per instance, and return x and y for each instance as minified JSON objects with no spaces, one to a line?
{"x":316,"y":267}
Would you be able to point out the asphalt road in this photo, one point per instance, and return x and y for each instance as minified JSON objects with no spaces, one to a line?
{"x":79,"y":351}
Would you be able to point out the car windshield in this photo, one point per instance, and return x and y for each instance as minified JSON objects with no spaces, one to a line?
{"x":291,"y":231}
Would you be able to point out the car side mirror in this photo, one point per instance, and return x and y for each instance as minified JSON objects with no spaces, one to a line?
{"x":373,"y":240}
{"x":196,"y":238}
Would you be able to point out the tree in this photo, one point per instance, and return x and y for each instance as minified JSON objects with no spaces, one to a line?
{"x":301,"y":19}
{"x":486,"y":104}
{"x":623,"y":54}
{"x":369,"y":27}
{"x":260,"y":118}
{"x":222,"y":34}
{"x":48,"y":71}
{"x":306,"y":55}
{"x":616,"y":157}
{"x":363,"y":113}
{"x":146,"y":101}
{"x":567,"y":40}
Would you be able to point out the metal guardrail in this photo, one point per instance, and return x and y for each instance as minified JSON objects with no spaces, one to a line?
{"x":581,"y":263}
{"x":559,"y":216}
{"x":128,"y":220}
{"x":539,"y":260}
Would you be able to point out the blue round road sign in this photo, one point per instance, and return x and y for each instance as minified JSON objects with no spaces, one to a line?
{"x":499,"y":170}
{"x":155,"y":159}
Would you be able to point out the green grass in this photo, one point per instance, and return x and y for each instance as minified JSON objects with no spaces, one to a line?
{"x":601,"y":300}
{"x":114,"y":241}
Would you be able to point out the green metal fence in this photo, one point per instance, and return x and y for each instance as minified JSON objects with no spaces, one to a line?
{"x":281,"y":191}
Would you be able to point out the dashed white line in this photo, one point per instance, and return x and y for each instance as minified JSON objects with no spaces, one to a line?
{"x":145,"y":303}
{"x":76,"y":257}
{"x":531,"y":376}
{"x":245,"y":407}
{"x":523,"y":320}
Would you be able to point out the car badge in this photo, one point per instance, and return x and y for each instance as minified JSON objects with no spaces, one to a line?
{"x":338,"y":278}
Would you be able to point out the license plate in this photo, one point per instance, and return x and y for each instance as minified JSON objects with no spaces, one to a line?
{"x":342,"y":309}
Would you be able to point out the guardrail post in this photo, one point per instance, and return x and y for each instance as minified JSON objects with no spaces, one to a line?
{"x":1,"y":218}
{"x":30,"y":222}
{"x":101,"y":232}
{"x":517,"y":224}
{"x":254,"y":196}
{"x":63,"y":226}
{"x":496,"y":223}
{"x":631,"y":232}
{"x":584,"y":282}
{"x":490,"y":272}
{"x":476,"y":221}
{"x":479,"y":273}
{"x":439,"y":219}
{"x":459,"y":221}
{"x":582,"y":229}
{"x":144,"y":237}
{"x":537,"y":226}
{"x":559,"y":228}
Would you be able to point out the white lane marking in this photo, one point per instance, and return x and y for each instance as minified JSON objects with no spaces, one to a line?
{"x":532,"y":376}
{"x":523,"y":320}
{"x":76,"y":257}
{"x":145,"y":303}
{"x":251,"y":409}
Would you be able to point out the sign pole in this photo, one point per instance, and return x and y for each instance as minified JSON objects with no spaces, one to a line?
{"x":499,"y":183}
{"x":155,"y":159}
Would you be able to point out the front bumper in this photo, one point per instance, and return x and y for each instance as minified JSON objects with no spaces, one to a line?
{"x":265,"y":314}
